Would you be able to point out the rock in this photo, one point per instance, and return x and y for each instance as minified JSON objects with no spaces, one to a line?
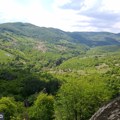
{"x":111,"y":111}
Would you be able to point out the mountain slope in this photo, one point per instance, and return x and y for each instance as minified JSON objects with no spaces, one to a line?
{"x":50,"y":46}
{"x":78,"y":68}
{"x":55,"y":35}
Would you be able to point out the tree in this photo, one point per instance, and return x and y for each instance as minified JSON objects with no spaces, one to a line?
{"x":10,"y":108}
{"x":43,"y":108}
{"x":32,"y":85}
{"x":79,"y":99}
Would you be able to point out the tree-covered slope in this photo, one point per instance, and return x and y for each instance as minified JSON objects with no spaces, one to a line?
{"x":32,"y":42}
{"x":95,"y":38}
{"x":55,"y":35}
{"x":50,"y":74}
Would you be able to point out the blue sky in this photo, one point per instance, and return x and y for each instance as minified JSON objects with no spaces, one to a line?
{"x":68,"y":15}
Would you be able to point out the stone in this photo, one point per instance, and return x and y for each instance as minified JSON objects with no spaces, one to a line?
{"x":110,"y":111}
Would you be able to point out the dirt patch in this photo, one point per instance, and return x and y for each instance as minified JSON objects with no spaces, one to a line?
{"x":60,"y":48}
{"x":41,"y":46}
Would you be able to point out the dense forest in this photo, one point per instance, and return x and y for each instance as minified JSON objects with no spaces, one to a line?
{"x":49,"y":74}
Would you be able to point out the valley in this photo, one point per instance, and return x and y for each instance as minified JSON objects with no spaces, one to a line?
{"x":62,"y":75}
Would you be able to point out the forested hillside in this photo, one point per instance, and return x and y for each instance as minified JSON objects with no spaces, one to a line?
{"x":50,"y":74}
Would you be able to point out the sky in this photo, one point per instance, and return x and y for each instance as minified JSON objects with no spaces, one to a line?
{"x":67,"y":15}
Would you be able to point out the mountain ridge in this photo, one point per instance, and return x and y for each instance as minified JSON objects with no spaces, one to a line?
{"x":55,"y":35}
{"x":81,"y":69}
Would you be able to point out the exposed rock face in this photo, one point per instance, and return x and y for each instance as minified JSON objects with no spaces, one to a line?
{"x":111,"y":111}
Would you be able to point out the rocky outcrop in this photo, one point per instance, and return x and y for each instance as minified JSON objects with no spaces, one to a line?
{"x":111,"y":111}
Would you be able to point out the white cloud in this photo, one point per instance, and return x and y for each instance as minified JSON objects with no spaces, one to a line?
{"x":10,"y":10}
{"x":111,"y":5}
{"x":67,"y":19}
{"x":69,"y":15}
{"x":89,"y":4}
{"x":98,"y":15}
{"x":58,"y":3}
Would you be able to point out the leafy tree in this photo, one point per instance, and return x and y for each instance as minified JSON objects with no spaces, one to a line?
{"x":78,"y":100}
{"x":10,"y":108}
{"x":114,"y":86}
{"x":32,"y":85}
{"x":43,"y":108}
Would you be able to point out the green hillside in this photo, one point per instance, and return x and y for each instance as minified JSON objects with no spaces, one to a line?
{"x":91,"y":64}
{"x":104,"y":49}
{"x":33,"y":42}
{"x":56,"y":35}
{"x":5,"y":56}
{"x":50,"y":74}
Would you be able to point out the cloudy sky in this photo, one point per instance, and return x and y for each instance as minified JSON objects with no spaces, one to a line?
{"x":68,"y":15}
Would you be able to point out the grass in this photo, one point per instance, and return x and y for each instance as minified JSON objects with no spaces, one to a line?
{"x":5,"y":56}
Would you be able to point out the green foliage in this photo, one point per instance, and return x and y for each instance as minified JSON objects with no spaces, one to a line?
{"x":32,"y":85}
{"x":10,"y":108}
{"x":80,"y":99}
{"x":79,"y":63}
{"x":42,"y":108}
{"x":32,"y":60}
{"x":19,"y":81}
{"x":104,"y":49}
{"x":114,"y":85}
{"x":5,"y":56}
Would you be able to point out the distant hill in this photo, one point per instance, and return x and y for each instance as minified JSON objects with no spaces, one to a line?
{"x":55,"y":35}
{"x":50,"y":46}
{"x":81,"y":70}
